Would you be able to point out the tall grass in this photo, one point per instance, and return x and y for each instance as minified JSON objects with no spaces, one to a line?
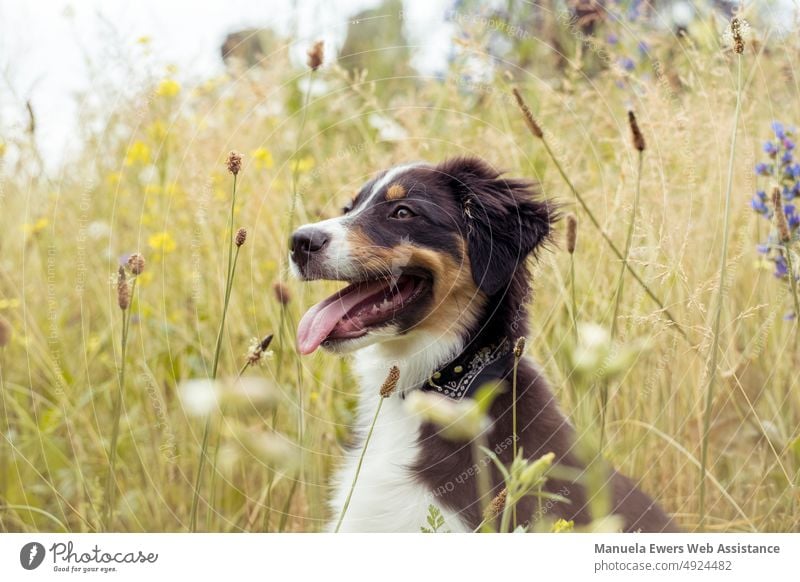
{"x":150,"y":180}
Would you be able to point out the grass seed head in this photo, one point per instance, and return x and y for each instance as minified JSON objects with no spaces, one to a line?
{"x":136,"y":264}
{"x":123,"y":290}
{"x":241,"y":236}
{"x":282,"y":293}
{"x":497,"y":505}
{"x":519,"y":347}
{"x":638,"y":138}
{"x":572,"y":233}
{"x":526,"y":112}
{"x":316,"y":55}
{"x":390,"y":384}
{"x":234,"y":162}
{"x":782,"y":225}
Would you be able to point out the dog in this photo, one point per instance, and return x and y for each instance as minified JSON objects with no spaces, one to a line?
{"x":436,"y":261}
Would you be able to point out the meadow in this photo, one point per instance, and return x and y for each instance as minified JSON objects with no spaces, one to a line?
{"x":151,"y":178}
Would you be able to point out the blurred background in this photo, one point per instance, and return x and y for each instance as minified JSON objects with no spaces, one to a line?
{"x":116,"y":119}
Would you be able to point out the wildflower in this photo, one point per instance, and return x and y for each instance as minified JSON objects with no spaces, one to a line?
{"x":763,"y":169}
{"x":781,"y":268}
{"x":138,"y":153}
{"x":316,"y":54}
{"x":460,"y":420}
{"x":778,"y":129}
{"x":562,"y":526}
{"x":199,"y":397}
{"x":5,"y":332}
{"x":390,"y":384}
{"x":162,"y":242}
{"x":771,"y":149}
{"x":123,"y":290}
{"x":168,"y":88}
{"x":572,"y":233}
{"x":759,"y":205}
{"x":262,"y":158}
{"x":636,"y":133}
{"x":136,"y":263}
{"x":627,"y":64}
{"x":234,"y":162}
{"x":241,"y":237}
{"x":36,"y":227}
{"x":282,"y":293}
{"x":259,"y":350}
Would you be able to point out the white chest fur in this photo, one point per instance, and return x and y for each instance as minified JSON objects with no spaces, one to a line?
{"x":387,"y":497}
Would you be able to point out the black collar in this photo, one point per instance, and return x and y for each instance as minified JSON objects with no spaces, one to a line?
{"x":472,"y":368}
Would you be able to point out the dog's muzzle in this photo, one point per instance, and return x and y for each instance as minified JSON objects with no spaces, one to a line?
{"x":306,"y":242}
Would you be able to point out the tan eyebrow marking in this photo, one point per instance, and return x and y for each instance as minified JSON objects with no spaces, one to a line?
{"x":395,"y":192}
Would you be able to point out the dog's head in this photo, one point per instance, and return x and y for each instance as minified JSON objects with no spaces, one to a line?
{"x":423,"y":248}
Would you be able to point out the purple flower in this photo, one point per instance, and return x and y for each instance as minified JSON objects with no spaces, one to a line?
{"x":759,"y":205}
{"x":612,"y":39}
{"x":786,"y":158}
{"x":771,"y":149}
{"x":780,"y":267}
{"x":788,"y":144}
{"x":763,"y":249}
{"x":789,"y":316}
{"x":763,"y":169}
{"x":627,"y":64}
{"x":777,"y":127}
{"x":793,"y":171}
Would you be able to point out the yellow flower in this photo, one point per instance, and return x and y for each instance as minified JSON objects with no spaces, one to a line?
{"x":262,"y":158}
{"x":113,"y":179}
{"x":143,"y":39}
{"x":9,"y":303}
{"x":138,"y":152}
{"x":36,"y":227}
{"x":158,"y":131}
{"x":168,"y":88}
{"x":304,"y":164}
{"x":162,"y":242}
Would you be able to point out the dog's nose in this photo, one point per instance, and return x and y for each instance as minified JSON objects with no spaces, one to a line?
{"x":307,"y":241}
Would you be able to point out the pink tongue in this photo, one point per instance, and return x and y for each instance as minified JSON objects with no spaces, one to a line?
{"x":320,"y":320}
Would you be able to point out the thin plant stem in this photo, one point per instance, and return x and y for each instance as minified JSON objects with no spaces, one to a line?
{"x":573,"y":293}
{"x":619,"y":293}
{"x":793,"y":285}
{"x":116,"y":416}
{"x":215,"y":365}
{"x":514,"y":420}
{"x":723,"y":263}
{"x":358,"y":467}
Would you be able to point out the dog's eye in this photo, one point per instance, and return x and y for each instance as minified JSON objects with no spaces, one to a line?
{"x":402,"y":213}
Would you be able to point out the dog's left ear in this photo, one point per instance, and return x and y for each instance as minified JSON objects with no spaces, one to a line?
{"x":504,"y":221}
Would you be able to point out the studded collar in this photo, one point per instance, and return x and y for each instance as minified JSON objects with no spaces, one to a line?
{"x":468,"y":371}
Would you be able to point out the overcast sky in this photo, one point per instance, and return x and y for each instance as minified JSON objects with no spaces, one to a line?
{"x":44,"y":44}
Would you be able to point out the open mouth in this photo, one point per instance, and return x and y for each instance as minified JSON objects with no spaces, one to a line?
{"x":358,"y":309}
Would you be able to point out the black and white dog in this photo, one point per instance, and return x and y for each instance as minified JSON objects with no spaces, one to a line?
{"x":436,"y":261}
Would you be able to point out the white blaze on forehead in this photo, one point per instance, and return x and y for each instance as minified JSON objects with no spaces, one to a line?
{"x":390,"y":176}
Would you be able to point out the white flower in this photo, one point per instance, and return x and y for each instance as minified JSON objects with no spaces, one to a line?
{"x":200,"y":397}
{"x":458,"y":420}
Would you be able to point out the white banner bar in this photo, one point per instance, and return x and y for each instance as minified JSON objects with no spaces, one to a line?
{"x":382,"y":557}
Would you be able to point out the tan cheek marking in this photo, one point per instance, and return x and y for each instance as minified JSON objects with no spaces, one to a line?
{"x":456,"y":303}
{"x":395,"y":192}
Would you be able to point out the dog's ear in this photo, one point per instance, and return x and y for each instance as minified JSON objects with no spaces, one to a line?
{"x":504,"y":221}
